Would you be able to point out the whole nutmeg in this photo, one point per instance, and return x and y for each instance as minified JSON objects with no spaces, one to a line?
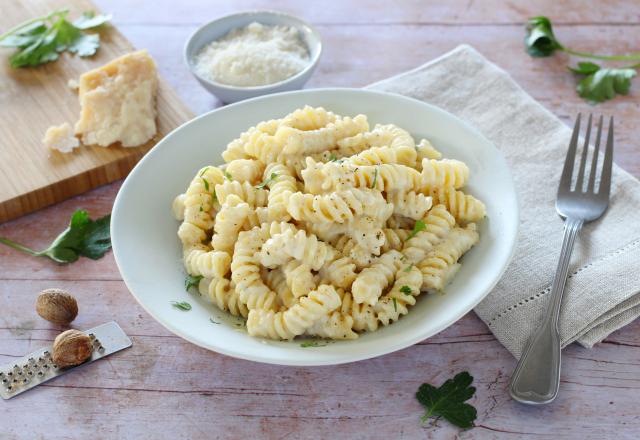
{"x":71,"y":348}
{"x":57,"y":306}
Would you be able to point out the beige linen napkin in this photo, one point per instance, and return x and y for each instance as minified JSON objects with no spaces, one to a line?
{"x":603,"y":287}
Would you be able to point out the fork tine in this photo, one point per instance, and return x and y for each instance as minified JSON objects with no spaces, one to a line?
{"x":594,"y":159}
{"x":583,"y":157}
{"x":567,"y":171}
{"x":605,"y":180}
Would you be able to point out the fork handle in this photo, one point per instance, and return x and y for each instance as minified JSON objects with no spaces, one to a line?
{"x":537,"y":377}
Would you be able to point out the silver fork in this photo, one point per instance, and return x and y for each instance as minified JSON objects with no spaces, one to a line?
{"x":537,"y":377}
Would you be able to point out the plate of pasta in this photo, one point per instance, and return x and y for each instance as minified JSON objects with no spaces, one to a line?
{"x":315,"y":227}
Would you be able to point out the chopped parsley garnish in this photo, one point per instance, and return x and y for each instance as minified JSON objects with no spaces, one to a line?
{"x":213,"y":322}
{"x":266,"y":182}
{"x":192,"y":281}
{"x":408,"y":268}
{"x":184,"y":306}
{"x":308,"y":344}
{"x":228,"y":176}
{"x":406,"y":290}
{"x":395,"y":305}
{"x":419,"y":226}
{"x":375,"y":178}
{"x":333,"y":157}
{"x":206,"y":184}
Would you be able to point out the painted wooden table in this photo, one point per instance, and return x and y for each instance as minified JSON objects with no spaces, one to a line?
{"x":166,"y":388}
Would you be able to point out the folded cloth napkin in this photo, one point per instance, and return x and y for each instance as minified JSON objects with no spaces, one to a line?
{"x":603,"y":288}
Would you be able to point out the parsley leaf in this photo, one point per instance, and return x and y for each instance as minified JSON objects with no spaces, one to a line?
{"x":333,"y":157}
{"x":408,"y":268}
{"x":406,"y":290}
{"x":228,"y":176}
{"x":192,"y":281}
{"x":601,"y":84}
{"x":539,"y":39}
{"x":206,"y":184}
{"x":184,"y":306}
{"x":447,"y":401}
{"x":84,"y":237}
{"x":266,"y":182}
{"x":419,"y":226}
{"x":395,"y":305}
{"x":40,"y":40}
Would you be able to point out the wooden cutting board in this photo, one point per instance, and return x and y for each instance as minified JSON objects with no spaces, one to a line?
{"x":32,"y":99}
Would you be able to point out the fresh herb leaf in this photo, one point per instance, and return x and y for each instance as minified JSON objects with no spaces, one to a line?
{"x":307,"y":344}
{"x":408,"y":268}
{"x":447,"y":401}
{"x":228,"y":176}
{"x":213,"y":322}
{"x":192,"y":281}
{"x":403,"y":258}
{"x":183,"y":305}
{"x":91,"y":20}
{"x":41,"y":39}
{"x":540,"y":40}
{"x":406,"y":290}
{"x":84,"y":237}
{"x":601,"y":84}
{"x":333,"y":157}
{"x":206,"y":184}
{"x":419,"y":226}
{"x":375,"y":178}
{"x":266,"y":182}
{"x":203,"y":171}
{"x":395,"y":305}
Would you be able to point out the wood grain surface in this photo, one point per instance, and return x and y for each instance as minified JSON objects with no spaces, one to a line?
{"x":32,"y":99}
{"x":165,"y":388}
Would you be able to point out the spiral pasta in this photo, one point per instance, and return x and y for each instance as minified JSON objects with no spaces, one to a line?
{"x":319,"y":226}
{"x":441,"y":263}
{"x":228,"y":223}
{"x":464,"y":207}
{"x":370,"y":283}
{"x":295,"y":320}
{"x":245,"y":170}
{"x":336,"y":207}
{"x":200,"y":261}
{"x":409,"y":204}
{"x":220,"y":291}
{"x":253,"y":196}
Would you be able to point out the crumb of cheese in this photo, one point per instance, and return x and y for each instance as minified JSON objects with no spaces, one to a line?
{"x":118,"y":102}
{"x":73,"y":84}
{"x":61,"y":138}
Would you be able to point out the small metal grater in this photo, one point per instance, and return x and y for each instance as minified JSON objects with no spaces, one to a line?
{"x":37,"y":367}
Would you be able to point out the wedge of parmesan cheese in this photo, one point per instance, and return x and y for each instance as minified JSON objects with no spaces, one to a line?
{"x":118,"y":102}
{"x":61,"y":138}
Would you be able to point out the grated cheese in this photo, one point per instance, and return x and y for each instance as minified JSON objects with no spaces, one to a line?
{"x":254,"y":55}
{"x":61,"y":138}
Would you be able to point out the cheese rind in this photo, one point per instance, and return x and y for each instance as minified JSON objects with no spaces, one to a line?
{"x":60,"y":138}
{"x":118,"y":102}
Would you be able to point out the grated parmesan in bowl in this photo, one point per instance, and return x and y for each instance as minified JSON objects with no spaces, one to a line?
{"x":250,"y":54}
{"x":254,"y":55}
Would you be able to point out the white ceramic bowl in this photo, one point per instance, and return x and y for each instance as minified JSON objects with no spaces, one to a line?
{"x":221,"y":26}
{"x":148,"y":252}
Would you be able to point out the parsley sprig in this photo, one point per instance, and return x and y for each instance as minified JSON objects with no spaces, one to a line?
{"x":41,"y":40}
{"x":183,"y":305}
{"x":84,"y":237}
{"x":598,"y":83}
{"x":448,"y":401}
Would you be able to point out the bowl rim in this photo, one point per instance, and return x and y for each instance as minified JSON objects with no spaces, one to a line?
{"x":240,"y":354}
{"x":301,"y":24}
